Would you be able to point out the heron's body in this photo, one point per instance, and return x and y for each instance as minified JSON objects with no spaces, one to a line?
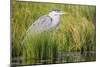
{"x":44,"y":23}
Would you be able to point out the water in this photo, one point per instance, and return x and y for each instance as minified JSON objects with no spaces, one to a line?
{"x":62,"y":57}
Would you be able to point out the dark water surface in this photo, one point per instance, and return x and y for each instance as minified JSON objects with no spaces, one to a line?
{"x":61,"y":57}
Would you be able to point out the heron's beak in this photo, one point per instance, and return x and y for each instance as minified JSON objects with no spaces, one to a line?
{"x":61,"y":13}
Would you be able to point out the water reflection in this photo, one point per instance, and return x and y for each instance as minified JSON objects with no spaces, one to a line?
{"x":61,"y":57}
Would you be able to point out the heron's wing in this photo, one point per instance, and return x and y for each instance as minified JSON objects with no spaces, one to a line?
{"x":40,"y":24}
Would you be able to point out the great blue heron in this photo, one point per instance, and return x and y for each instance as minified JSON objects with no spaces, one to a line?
{"x":46,"y":22}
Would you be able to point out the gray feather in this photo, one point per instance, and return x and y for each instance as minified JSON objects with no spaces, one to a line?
{"x":41,"y":24}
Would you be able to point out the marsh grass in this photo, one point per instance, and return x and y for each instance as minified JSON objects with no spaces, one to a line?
{"x":75,"y":33}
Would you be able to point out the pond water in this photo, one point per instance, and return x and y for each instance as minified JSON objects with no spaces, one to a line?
{"x":60,"y":57}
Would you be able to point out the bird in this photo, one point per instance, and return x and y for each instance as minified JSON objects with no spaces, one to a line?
{"x":47,"y":22}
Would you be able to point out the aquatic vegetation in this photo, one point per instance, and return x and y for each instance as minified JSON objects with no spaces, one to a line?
{"x":76,"y":33}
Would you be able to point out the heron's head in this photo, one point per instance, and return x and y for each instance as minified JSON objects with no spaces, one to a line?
{"x":56,"y":12}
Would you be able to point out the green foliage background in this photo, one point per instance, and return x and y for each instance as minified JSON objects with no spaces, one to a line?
{"x":76,"y":32}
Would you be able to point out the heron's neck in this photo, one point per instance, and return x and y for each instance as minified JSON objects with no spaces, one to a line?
{"x":55,"y":19}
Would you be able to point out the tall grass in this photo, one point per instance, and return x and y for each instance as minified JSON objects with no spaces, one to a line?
{"x":76,"y":32}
